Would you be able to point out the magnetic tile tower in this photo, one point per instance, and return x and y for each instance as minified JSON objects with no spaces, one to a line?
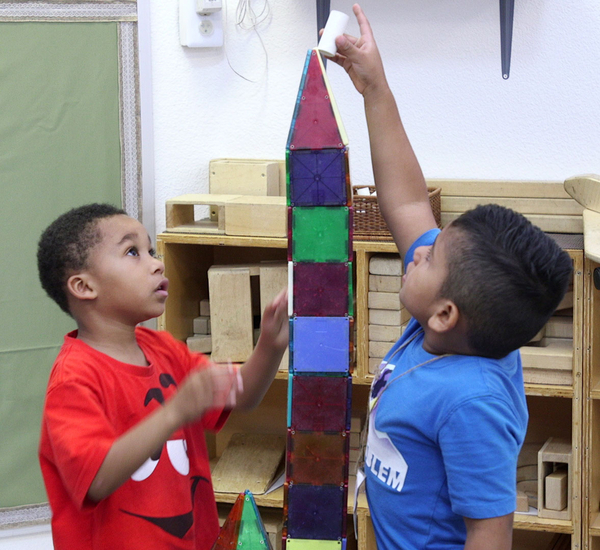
{"x":321,"y":309}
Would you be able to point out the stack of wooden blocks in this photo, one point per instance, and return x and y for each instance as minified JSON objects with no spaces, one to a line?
{"x":229,"y":323}
{"x":387,"y":316}
{"x":548,"y":359}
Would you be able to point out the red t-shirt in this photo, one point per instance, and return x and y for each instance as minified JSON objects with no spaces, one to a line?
{"x":93,"y":399}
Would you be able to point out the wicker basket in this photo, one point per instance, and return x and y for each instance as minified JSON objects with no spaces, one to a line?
{"x":369,"y":225}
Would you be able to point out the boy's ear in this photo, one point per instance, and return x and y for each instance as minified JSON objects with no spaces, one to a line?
{"x":81,"y":286}
{"x":445,"y":318}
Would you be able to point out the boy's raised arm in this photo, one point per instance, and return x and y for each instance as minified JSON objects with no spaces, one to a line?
{"x":401,"y":188}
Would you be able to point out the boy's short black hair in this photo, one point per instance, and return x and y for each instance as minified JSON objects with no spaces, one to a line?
{"x":65,"y":245}
{"x":506,"y":276}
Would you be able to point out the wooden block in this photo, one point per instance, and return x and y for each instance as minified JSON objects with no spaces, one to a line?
{"x":529,"y":472}
{"x":200,"y":343}
{"x":548,"y":223}
{"x":205,"y":308}
{"x":559,"y":327}
{"x":385,"y":264}
{"x":256,"y":217}
{"x":379,"y":349}
{"x":539,"y":336}
{"x":354,"y":440}
{"x":180,"y":215}
{"x":383,"y":333}
{"x":557,"y":355}
{"x":585,"y":190}
{"x":529,"y":454}
{"x":386,"y":317}
{"x":244,"y":177}
{"x":231,"y":313}
{"x":356,"y":424}
{"x":521,"y":204}
{"x":500,"y":188}
{"x":556,"y":490}
{"x":385,"y":283}
{"x":549,"y":377}
{"x":566,"y":302}
{"x":556,"y":454}
{"x":374,"y":363}
{"x":273,"y":278}
{"x":384,"y":300}
{"x":522,"y":502}
{"x":591,"y":234}
{"x":249,"y":460}
{"x":528,"y":486}
{"x":201,"y":325}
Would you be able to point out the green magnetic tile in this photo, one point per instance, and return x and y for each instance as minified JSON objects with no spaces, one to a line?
{"x":320,"y":234}
{"x":252,"y":533}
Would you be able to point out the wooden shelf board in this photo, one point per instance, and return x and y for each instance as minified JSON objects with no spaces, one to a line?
{"x":223,"y":240}
{"x":549,"y":391}
{"x":595,"y":524}
{"x":533,"y":523}
{"x":595,"y":393}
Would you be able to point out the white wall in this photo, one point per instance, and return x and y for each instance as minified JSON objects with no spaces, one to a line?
{"x":36,"y":537}
{"x":443,"y":62}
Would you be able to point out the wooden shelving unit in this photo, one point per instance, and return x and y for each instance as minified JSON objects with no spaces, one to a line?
{"x":555,"y":411}
{"x":591,"y":413}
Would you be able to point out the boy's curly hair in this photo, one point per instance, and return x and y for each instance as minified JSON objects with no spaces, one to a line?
{"x":506,"y":277}
{"x":64,"y":247}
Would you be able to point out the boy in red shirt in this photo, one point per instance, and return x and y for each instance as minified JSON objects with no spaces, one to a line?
{"x":122,"y":448}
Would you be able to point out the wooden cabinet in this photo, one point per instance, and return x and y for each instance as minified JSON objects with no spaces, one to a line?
{"x":591,"y":414}
{"x":555,"y":410}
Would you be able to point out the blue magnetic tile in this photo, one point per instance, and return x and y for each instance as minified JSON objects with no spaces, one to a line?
{"x":321,"y":344}
{"x":318,"y":178}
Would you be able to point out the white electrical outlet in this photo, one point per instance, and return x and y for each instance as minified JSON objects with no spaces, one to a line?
{"x":197,"y":30}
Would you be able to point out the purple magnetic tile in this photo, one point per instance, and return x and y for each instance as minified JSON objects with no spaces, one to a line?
{"x":320,"y":403}
{"x":316,"y":512}
{"x":321,"y":344}
{"x":318,"y":178}
{"x":321,"y":289}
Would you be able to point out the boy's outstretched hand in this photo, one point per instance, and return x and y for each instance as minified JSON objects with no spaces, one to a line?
{"x":360,"y":56}
{"x":274,"y":327}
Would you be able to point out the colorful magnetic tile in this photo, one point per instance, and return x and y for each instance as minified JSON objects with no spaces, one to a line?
{"x":316,"y":512}
{"x":228,"y":535}
{"x":252,"y":532}
{"x":320,"y":403}
{"x":314,"y":124}
{"x":320,"y":234}
{"x":334,"y":106}
{"x":305,"y":544}
{"x":320,"y":344}
{"x":317,"y":458}
{"x":322,"y":289}
{"x":318,"y":178}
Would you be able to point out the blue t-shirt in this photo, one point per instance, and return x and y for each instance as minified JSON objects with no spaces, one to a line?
{"x":443,"y":441}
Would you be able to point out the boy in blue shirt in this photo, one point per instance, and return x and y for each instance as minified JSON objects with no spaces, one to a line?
{"x":448,"y":413}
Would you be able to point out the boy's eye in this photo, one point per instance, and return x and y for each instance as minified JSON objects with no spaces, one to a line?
{"x":152,"y":252}
{"x":132,"y":251}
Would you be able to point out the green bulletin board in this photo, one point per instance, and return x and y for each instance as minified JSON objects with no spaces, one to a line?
{"x":59,"y":148}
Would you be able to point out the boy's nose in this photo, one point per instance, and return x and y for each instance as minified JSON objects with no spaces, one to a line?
{"x":419,"y":254}
{"x":158,"y":266}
